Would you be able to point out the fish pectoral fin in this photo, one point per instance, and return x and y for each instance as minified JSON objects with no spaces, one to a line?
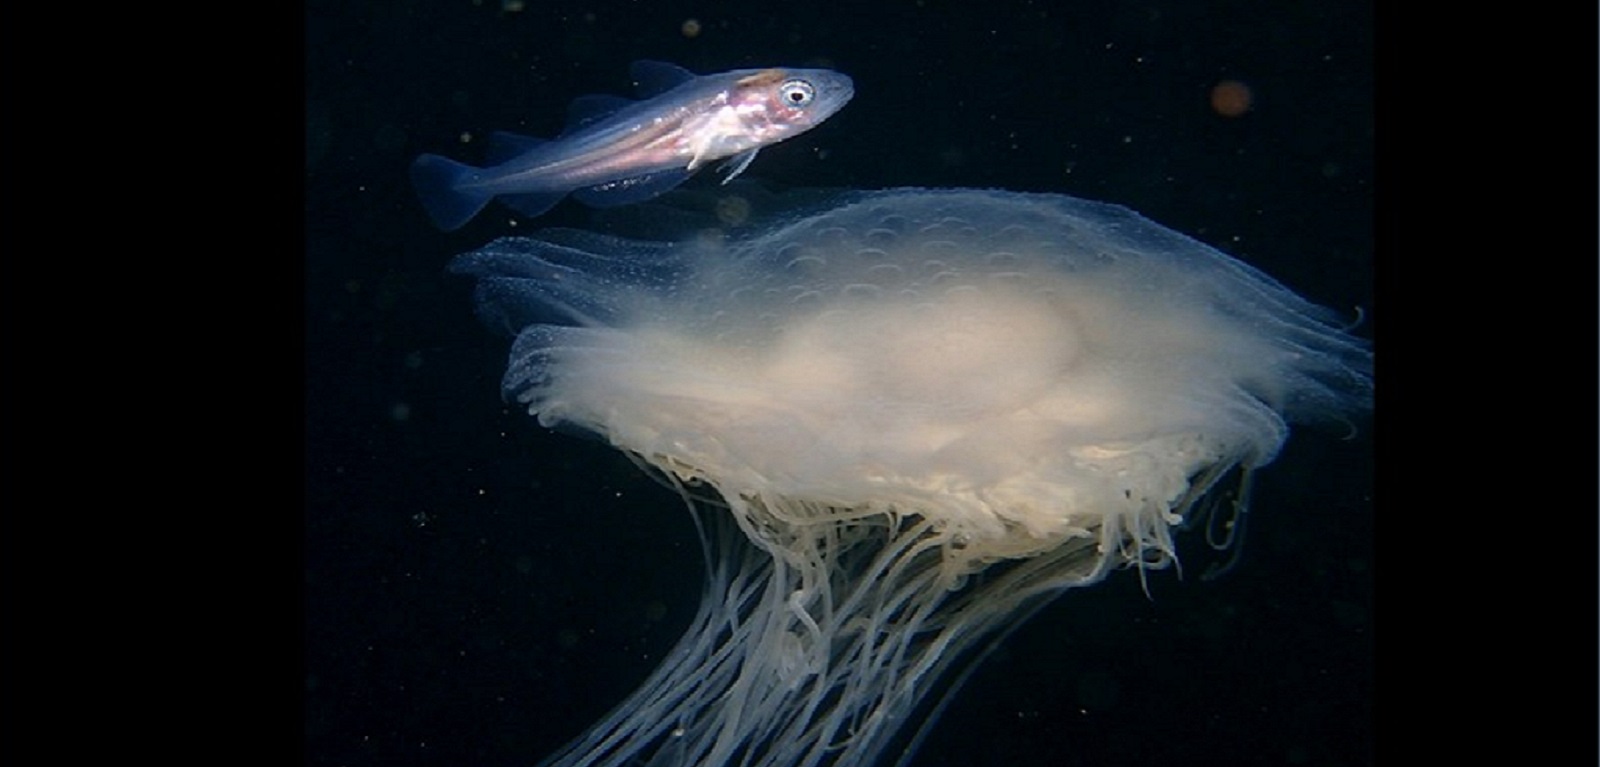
{"x":630,"y":190}
{"x":698,"y":161}
{"x":737,"y":163}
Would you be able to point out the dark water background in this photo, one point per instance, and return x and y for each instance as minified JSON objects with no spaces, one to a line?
{"x":478,"y":590}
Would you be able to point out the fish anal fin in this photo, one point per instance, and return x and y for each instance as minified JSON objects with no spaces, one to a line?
{"x":531,"y":205}
{"x":631,"y":190}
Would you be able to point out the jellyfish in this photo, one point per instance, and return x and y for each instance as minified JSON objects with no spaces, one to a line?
{"x":905,"y":420}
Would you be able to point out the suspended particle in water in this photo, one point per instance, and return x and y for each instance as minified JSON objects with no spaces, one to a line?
{"x":1231,"y":98}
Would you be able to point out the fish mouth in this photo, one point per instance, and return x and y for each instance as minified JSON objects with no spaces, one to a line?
{"x":834,"y":90}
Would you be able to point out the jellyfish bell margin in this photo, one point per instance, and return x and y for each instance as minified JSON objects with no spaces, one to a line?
{"x":872,"y":402}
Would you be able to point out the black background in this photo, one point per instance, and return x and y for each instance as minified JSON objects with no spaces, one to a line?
{"x":478,"y":590}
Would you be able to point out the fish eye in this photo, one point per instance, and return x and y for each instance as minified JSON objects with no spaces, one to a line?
{"x":797,"y":93}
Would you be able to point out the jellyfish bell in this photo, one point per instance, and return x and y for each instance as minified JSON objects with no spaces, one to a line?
{"x":912,"y":416}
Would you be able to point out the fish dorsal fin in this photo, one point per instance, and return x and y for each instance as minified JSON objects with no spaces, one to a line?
{"x":653,"y":78}
{"x":587,"y":109}
{"x":504,"y":146}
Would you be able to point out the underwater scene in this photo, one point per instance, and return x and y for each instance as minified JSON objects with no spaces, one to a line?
{"x":766,"y":384}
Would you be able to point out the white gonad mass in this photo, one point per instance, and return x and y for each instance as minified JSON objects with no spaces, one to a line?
{"x":871,"y":404}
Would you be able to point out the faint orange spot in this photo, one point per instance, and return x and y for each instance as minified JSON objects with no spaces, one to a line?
{"x":691,"y":28}
{"x":1231,"y":98}
{"x":733,"y":210}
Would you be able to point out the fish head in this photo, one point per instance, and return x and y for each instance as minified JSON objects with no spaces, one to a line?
{"x":787,"y":102}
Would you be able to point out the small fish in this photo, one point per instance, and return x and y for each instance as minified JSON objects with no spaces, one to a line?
{"x":616,"y":151}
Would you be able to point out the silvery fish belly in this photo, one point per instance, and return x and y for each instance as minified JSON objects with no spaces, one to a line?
{"x":616,"y":151}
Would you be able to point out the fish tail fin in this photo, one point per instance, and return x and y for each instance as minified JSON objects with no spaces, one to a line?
{"x":437,"y":180}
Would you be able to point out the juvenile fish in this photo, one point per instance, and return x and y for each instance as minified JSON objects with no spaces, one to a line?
{"x":616,"y":151}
